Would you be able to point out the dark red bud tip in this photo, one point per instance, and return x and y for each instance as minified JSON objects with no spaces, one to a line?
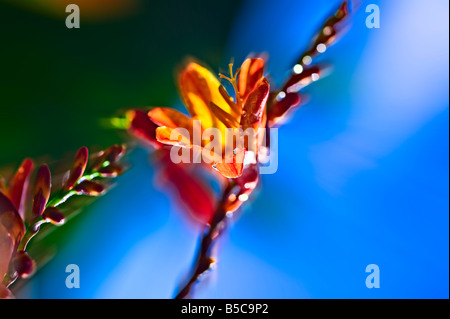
{"x":89,"y":188}
{"x":23,"y":264}
{"x":42,"y":189}
{"x":53,"y":215}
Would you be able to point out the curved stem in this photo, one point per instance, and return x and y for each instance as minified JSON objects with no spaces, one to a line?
{"x":205,"y":260}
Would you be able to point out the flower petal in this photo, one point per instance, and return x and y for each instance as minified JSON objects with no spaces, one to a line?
{"x":232,"y":170}
{"x":173,"y":136}
{"x":254,"y":106}
{"x":19,"y":184}
{"x":164,"y":116}
{"x":192,"y":193}
{"x":252,"y":71}
{"x":198,"y":88}
{"x":142,"y":127}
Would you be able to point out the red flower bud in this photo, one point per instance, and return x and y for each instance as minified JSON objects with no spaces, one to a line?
{"x":281,"y":107}
{"x":10,"y":221}
{"x":302,"y":79}
{"x":42,"y":189}
{"x":112,"y":170}
{"x":18,"y":186}
{"x":23,"y":264}
{"x":54,"y":216}
{"x":78,"y":168}
{"x":111,"y":155}
{"x":89,"y":188}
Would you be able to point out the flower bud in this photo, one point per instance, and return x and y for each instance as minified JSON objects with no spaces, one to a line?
{"x":42,"y":189}
{"x":112,"y":170}
{"x":280,"y":108}
{"x":300,"y":80}
{"x":78,"y":168}
{"x":89,"y":188}
{"x":53,"y":215}
{"x":110,"y":155}
{"x":19,"y":185}
{"x":23,"y":264}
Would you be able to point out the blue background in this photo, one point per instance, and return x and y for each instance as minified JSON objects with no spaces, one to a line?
{"x":362,"y":178}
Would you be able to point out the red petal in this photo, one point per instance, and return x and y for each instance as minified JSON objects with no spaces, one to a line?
{"x":19,"y":184}
{"x":193,"y":194}
{"x":254,"y":106}
{"x":252,"y":71}
{"x":232,"y":170}
{"x":142,"y":127}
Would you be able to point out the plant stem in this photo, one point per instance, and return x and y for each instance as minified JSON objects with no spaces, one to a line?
{"x":205,"y":260}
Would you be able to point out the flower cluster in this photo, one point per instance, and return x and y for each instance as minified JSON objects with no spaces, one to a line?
{"x":18,"y":224}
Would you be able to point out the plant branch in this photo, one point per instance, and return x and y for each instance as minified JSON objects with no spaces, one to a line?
{"x":205,"y":260}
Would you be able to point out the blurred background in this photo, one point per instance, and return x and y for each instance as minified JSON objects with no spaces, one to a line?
{"x":363,"y":167}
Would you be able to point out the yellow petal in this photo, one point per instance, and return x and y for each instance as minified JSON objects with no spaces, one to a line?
{"x":198,"y":88}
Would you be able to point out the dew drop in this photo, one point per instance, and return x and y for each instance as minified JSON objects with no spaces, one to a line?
{"x":298,"y":69}
{"x":307,"y":60}
{"x":321,"y":48}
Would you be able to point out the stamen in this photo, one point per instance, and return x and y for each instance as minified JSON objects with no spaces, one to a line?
{"x":233,"y":80}
{"x":223,"y":116}
{"x":234,"y":107}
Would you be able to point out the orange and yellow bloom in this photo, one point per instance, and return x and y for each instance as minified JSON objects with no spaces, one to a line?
{"x":208,"y":101}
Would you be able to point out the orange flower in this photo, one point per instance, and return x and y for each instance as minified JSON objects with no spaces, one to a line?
{"x":208,"y":102}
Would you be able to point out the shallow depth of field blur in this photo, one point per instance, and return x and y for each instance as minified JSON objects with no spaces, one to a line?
{"x":363,"y":167}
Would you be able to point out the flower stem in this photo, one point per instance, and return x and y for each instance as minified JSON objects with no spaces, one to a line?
{"x":205,"y":260}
